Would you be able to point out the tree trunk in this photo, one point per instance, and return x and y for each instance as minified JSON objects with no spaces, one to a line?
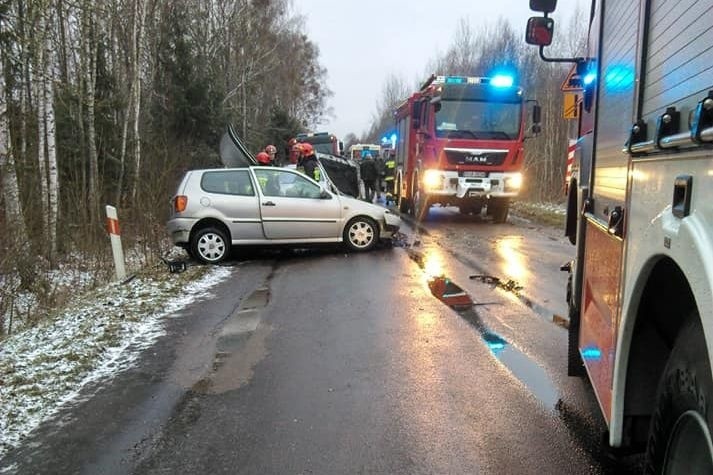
{"x":41,"y":131}
{"x":53,"y":188}
{"x":90,"y":80}
{"x":11,"y":191}
{"x":141,"y":12}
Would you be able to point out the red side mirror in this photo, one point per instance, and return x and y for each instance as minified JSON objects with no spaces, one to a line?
{"x":539,"y":31}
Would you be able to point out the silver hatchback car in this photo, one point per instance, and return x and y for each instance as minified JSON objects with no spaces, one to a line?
{"x":214,"y":209}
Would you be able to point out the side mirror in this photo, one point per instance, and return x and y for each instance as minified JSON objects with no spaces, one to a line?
{"x":324,"y":194}
{"x":539,"y":31}
{"x":536,"y":114}
{"x":544,"y":6}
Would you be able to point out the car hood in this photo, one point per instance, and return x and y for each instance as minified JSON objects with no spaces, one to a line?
{"x":363,"y":207}
{"x":233,"y":153}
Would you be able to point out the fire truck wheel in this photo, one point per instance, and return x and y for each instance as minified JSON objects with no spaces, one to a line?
{"x":420,"y":206}
{"x":498,"y":208}
{"x":575,"y":366}
{"x":680,"y":433}
{"x":401,"y":201}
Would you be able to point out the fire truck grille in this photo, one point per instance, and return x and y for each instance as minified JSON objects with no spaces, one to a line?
{"x":476,"y":157}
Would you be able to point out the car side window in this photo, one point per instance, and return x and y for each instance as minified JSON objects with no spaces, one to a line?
{"x":229,"y":182}
{"x":287,"y":184}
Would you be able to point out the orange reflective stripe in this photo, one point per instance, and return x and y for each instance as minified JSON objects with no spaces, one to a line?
{"x":112,"y":225}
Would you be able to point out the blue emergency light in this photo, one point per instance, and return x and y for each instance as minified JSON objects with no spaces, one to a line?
{"x":455,"y":80}
{"x":589,"y":78}
{"x":502,"y":80}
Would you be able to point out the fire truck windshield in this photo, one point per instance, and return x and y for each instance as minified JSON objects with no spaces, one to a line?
{"x":478,"y":120}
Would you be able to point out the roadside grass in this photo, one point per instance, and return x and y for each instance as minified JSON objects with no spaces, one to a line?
{"x":97,"y":334}
{"x":550,"y":214}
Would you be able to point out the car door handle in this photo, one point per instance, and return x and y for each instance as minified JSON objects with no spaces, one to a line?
{"x":268,"y":203}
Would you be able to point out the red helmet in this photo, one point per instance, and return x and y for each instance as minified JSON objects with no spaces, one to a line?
{"x":263,"y":158}
{"x":307,"y":149}
{"x":271,"y":149}
{"x":292,"y":142}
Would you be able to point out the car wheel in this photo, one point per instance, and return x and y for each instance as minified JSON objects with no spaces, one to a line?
{"x":680,"y":433}
{"x":361,"y":234}
{"x":210,"y":245}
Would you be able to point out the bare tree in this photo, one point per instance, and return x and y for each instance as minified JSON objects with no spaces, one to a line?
{"x":11,"y":190}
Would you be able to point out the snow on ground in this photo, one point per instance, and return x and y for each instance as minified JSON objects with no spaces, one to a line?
{"x":96,"y":336}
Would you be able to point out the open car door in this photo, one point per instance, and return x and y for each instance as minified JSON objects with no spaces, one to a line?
{"x":233,"y":153}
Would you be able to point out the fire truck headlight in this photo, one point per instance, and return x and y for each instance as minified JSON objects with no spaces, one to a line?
{"x":432,"y":179}
{"x":514,"y":181}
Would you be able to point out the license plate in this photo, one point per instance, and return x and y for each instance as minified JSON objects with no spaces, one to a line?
{"x":475,"y":174}
{"x":474,"y":193}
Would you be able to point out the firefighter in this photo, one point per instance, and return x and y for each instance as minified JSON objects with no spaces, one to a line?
{"x":308,"y":161}
{"x":271,"y":150}
{"x":293,"y":152}
{"x":369,"y":175}
{"x":263,"y":158}
{"x":390,"y":175}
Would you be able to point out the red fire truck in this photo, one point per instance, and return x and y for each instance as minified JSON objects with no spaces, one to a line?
{"x":460,"y":143}
{"x":323,"y":142}
{"x":641,"y":215}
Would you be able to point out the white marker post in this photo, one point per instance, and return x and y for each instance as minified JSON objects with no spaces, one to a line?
{"x":112,"y":225}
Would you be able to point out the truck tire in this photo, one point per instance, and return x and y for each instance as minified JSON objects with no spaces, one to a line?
{"x":499,"y":208}
{"x":419,"y":204}
{"x":575,"y":365}
{"x":401,"y":201}
{"x":679,"y":439}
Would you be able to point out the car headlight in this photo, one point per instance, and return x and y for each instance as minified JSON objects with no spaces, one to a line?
{"x":432,"y":179}
{"x":514,"y":181}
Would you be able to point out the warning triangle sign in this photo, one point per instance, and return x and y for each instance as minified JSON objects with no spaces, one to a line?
{"x":573,"y":81}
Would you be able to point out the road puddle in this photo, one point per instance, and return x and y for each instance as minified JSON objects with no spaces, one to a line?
{"x":529,"y":373}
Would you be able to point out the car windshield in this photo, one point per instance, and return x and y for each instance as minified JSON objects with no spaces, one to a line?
{"x":478,"y":120}
{"x":323,"y":147}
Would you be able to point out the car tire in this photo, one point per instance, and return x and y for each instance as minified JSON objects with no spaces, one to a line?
{"x":210,"y":245}
{"x":679,"y":439}
{"x":361,"y":234}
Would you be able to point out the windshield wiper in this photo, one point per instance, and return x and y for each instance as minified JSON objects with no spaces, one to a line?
{"x":461,"y":134}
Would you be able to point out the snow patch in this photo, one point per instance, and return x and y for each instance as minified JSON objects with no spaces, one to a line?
{"x":97,"y":336}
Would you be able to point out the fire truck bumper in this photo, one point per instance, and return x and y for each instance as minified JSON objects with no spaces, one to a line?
{"x":491,"y":185}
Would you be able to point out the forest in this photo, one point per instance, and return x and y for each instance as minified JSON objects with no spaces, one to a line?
{"x":109,"y":102}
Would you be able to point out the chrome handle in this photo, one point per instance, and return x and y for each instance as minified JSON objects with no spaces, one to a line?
{"x":268,"y":203}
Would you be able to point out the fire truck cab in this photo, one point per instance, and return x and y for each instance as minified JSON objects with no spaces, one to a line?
{"x":460,"y":143}
{"x":641,"y":216}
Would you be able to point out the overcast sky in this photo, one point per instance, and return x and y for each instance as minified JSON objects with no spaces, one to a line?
{"x":363,"y":41}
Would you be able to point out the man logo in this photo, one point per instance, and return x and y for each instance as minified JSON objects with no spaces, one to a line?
{"x":476,"y":158}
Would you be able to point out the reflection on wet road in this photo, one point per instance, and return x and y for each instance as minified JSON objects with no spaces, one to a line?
{"x":520,"y":365}
{"x":522,"y":259}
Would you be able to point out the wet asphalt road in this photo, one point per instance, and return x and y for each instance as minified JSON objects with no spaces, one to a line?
{"x":326,"y":362}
